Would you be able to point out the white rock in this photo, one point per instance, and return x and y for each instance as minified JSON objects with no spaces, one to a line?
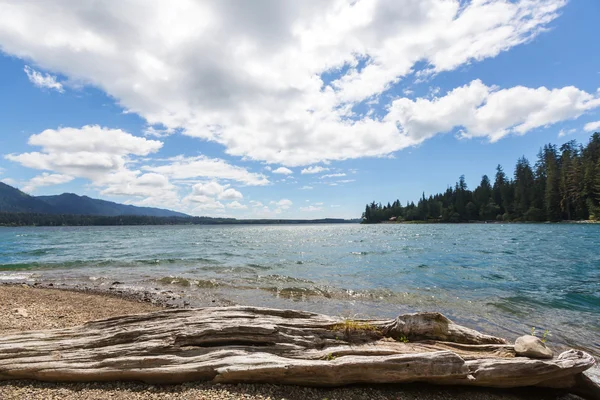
{"x":532,"y":347}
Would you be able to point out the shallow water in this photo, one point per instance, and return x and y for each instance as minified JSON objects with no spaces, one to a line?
{"x":502,"y":279}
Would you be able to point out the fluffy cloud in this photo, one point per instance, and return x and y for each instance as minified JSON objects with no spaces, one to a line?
{"x":206,"y":196}
{"x":9,"y":181}
{"x":592,"y":126}
{"x":283,"y":204}
{"x":283,"y":170}
{"x":484,"y":111}
{"x":132,"y":183}
{"x":90,"y":152}
{"x":46,"y":179}
{"x":236,"y":205}
{"x":93,"y":139}
{"x":563,"y":132}
{"x":257,"y":77}
{"x":214,"y":189}
{"x":182,"y":167}
{"x":106,"y":156}
{"x":43,"y":81}
{"x":315,"y":169}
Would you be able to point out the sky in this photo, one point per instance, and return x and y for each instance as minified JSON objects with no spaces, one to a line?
{"x":287,"y":109}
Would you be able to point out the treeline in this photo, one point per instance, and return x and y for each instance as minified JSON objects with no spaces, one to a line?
{"x":563,"y":184}
{"x":34,"y":219}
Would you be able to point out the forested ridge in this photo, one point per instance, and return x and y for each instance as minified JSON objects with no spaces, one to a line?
{"x":563,"y":184}
{"x":36,"y":219}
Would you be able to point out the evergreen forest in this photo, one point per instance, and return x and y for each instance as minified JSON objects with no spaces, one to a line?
{"x":563,"y":184}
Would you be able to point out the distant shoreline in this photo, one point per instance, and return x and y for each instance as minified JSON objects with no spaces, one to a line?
{"x":34,"y":219}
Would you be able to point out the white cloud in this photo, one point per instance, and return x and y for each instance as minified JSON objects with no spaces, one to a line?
{"x":9,"y":181}
{"x":46,"y":179}
{"x":314,"y":170}
{"x":216,"y":190}
{"x":592,"y":126}
{"x":158,"y":132}
{"x":563,"y":133}
{"x":132,"y":183}
{"x":101,"y":155}
{"x":182,"y":167}
{"x":333,"y":175}
{"x":346,"y":180}
{"x":484,"y":111}
{"x":311,"y":208}
{"x":306,"y":188}
{"x":236,"y":205}
{"x":230,"y":194}
{"x":93,"y":139}
{"x":283,"y":204}
{"x":43,"y":81}
{"x":283,"y":170}
{"x":249,"y":76}
{"x":89,"y":152}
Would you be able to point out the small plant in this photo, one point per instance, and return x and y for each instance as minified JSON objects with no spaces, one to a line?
{"x":402,"y":339}
{"x":330,"y":357}
{"x":546,"y":335}
{"x":350,"y":325}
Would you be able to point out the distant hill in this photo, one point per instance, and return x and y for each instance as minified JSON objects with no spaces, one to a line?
{"x":70,"y":203}
{"x":12,"y":200}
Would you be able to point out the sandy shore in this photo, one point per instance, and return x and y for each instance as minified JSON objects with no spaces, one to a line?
{"x":28,"y":308}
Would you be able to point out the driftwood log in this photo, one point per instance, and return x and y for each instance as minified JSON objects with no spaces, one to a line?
{"x":247,"y":344}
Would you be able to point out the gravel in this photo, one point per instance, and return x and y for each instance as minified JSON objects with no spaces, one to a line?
{"x":27,"y":308}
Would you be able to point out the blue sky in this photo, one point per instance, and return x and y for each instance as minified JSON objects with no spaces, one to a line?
{"x":287,"y":109}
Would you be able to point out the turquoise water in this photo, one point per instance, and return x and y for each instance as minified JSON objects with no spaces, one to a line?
{"x":502,"y":279}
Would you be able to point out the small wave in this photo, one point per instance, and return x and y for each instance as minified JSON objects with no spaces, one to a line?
{"x":258,"y":266}
{"x":359,"y":253}
{"x":227,"y":254}
{"x":494,"y":277}
{"x":17,"y":277}
{"x":37,"y":252}
{"x":283,"y":278}
{"x":185,"y":282}
{"x":297,"y":293}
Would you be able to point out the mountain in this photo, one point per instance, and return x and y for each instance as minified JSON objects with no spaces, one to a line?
{"x":12,"y":200}
{"x":70,"y":203}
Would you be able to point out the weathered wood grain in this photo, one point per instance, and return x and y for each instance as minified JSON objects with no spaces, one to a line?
{"x":248,"y":344}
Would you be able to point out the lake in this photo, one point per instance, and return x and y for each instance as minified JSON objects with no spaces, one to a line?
{"x":500,"y":278}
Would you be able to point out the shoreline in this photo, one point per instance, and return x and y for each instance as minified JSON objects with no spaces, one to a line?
{"x":32,"y":307}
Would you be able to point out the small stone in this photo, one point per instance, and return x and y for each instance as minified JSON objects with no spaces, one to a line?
{"x":532,"y":347}
{"x":22,"y":312}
